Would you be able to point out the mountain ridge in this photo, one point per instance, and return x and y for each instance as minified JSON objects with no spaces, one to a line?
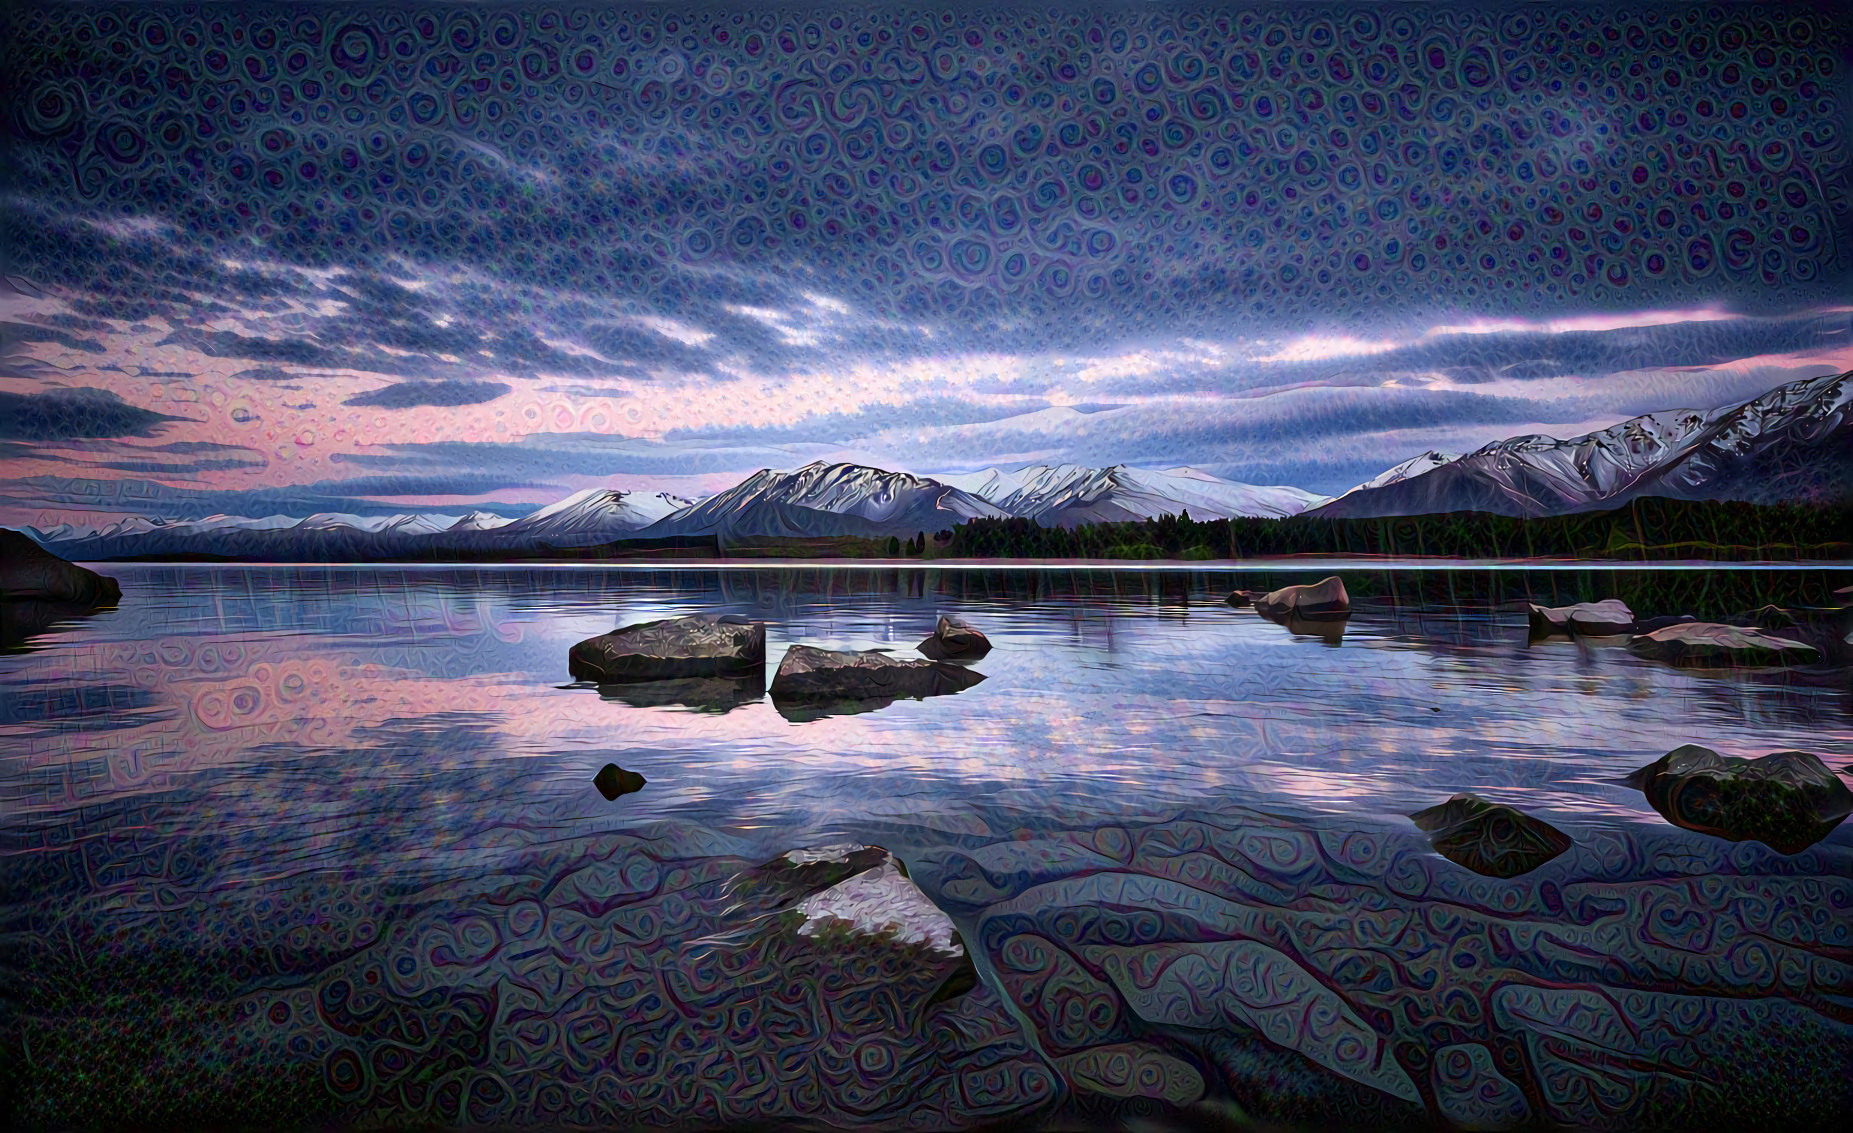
{"x":1793,"y":443}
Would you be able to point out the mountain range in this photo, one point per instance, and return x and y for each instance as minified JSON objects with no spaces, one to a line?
{"x":1790,"y":444}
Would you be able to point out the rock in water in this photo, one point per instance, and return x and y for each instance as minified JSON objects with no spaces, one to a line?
{"x":1591,"y":619}
{"x":1323,"y":599}
{"x":956,"y":639}
{"x":808,"y":673}
{"x":28,"y":572}
{"x":1238,"y":599}
{"x":881,"y":902}
{"x":702,"y":645}
{"x":1709,"y":644}
{"x":1787,"y":800}
{"x":613,"y":781}
{"x":1489,"y":839}
{"x":1649,"y":625}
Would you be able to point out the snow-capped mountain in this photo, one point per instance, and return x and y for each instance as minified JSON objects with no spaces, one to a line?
{"x":1414,"y":466}
{"x":1794,"y":443}
{"x":479,"y":521}
{"x":596,"y":515}
{"x":1067,"y":495}
{"x":828,"y":499}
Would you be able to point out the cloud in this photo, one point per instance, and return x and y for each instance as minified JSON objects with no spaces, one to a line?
{"x":152,"y":498}
{"x":408,"y":395}
{"x":13,"y":334}
{"x":550,"y":455}
{"x":62,"y":414}
{"x":842,"y":428}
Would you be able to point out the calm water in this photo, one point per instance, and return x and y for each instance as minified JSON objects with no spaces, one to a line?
{"x":288,"y":845}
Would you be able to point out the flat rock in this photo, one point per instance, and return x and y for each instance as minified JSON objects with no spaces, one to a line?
{"x":28,"y":572}
{"x":613,"y":781}
{"x":1590,"y":619}
{"x":1323,"y":599}
{"x":956,"y":639}
{"x":701,"y":645}
{"x":811,"y":674}
{"x":1490,"y":839}
{"x":1711,"y":644}
{"x":1787,"y":800}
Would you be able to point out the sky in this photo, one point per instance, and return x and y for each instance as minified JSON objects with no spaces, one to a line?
{"x":417,"y":258}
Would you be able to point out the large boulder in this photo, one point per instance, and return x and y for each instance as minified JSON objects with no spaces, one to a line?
{"x":1606,"y":618}
{"x":811,"y":674}
{"x":955,"y":639}
{"x":701,"y":645}
{"x":1787,"y":800}
{"x":28,"y":572}
{"x":1490,"y":839}
{"x":1323,"y":599}
{"x":1708,"y":644}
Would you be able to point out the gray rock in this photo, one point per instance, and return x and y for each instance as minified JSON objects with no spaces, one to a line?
{"x":1490,"y":839}
{"x":613,"y":781}
{"x":956,"y":639}
{"x":811,"y":674}
{"x":1708,"y":644}
{"x":28,"y":572}
{"x":1323,"y":599}
{"x":1787,"y":800}
{"x":702,"y":645}
{"x":1606,"y":618}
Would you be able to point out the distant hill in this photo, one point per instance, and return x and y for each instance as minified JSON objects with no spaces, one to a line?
{"x":1794,"y":444}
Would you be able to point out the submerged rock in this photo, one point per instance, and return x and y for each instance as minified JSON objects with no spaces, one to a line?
{"x":1787,"y":800}
{"x":811,"y":674}
{"x":28,"y":572}
{"x":1323,"y":599}
{"x":1590,"y":619}
{"x":1490,"y":839}
{"x":613,"y":781}
{"x":701,"y":645}
{"x":956,"y":639}
{"x":1241,"y":599}
{"x":703,"y":694}
{"x":1710,"y":644}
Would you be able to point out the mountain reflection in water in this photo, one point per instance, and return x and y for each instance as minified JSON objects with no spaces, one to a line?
{"x":292,"y":847}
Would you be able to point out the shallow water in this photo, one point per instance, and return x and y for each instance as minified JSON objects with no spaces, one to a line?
{"x":287,"y":844}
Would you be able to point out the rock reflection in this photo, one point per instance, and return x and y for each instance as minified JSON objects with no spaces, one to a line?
{"x":719,"y":695}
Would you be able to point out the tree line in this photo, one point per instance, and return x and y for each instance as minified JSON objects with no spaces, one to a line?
{"x":1644,"y":530}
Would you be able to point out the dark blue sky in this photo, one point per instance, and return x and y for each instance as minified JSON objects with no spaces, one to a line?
{"x":511,"y":251}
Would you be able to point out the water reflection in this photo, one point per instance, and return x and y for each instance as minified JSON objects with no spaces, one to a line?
{"x":334,"y":834}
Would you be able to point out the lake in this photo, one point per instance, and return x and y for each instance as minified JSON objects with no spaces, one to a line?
{"x":320,"y":846}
